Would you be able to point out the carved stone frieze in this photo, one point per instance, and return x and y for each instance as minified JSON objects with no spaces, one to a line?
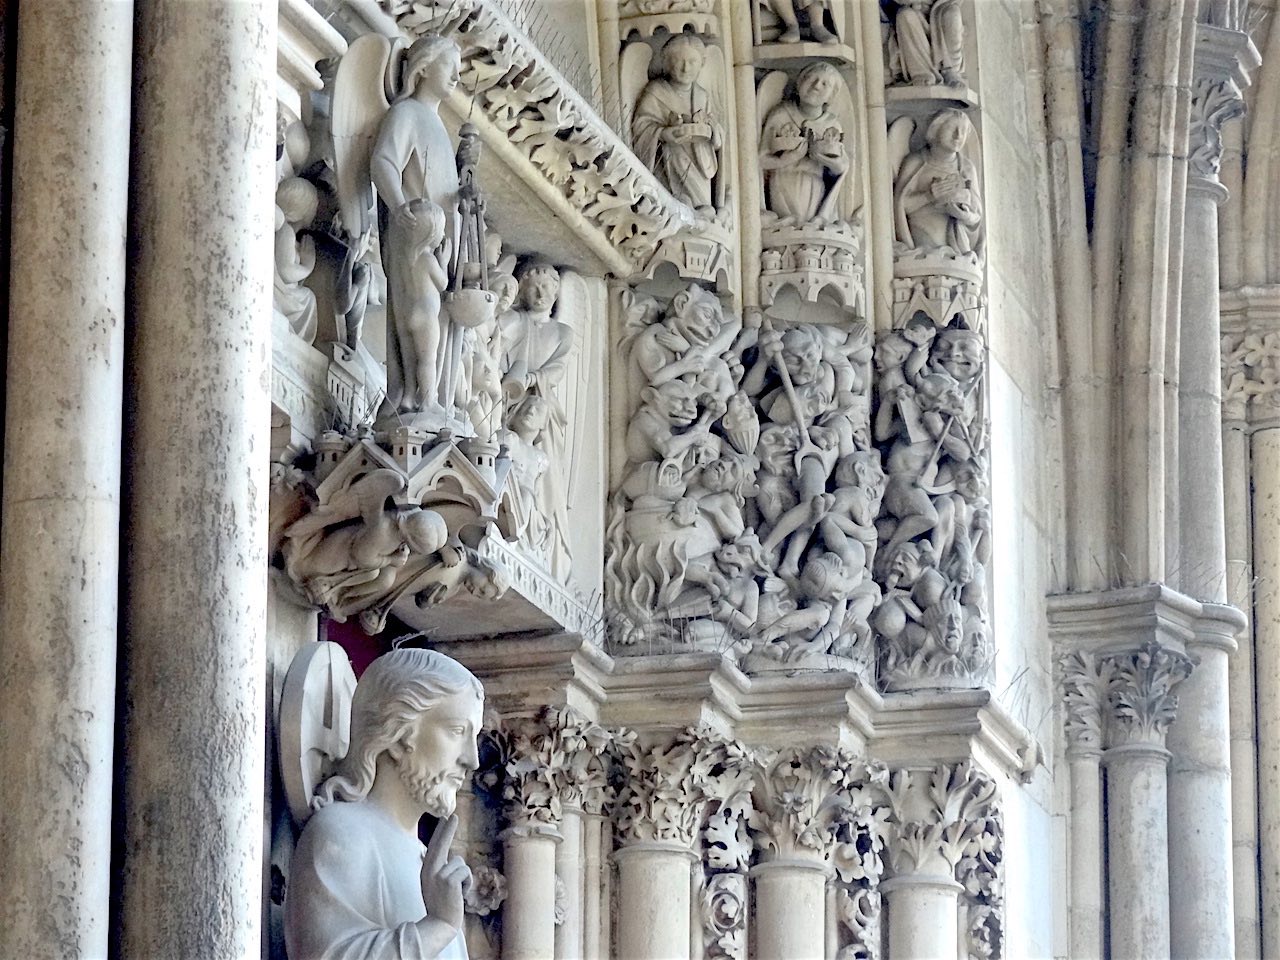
{"x":748,"y":503}
{"x":531,"y":106}
{"x":1141,"y":697}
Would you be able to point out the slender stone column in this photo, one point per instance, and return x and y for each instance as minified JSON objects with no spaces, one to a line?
{"x":1244,"y":776}
{"x":1266,"y":618}
{"x":1200,"y":739}
{"x":653,"y":887}
{"x":196,"y":594}
{"x":1141,"y":705}
{"x":1084,"y":693}
{"x":569,"y":868}
{"x":60,"y":545}
{"x":528,"y":916}
{"x":923,"y":916}
{"x":933,"y":815}
{"x":1200,"y":795}
{"x":790,"y":905}
{"x":593,"y":905}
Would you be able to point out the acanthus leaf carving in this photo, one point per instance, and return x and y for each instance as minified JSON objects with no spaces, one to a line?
{"x":1213,"y":102}
{"x":934,"y":814}
{"x":723,"y":909}
{"x":555,"y":759}
{"x":1141,"y":697}
{"x":1083,"y":680}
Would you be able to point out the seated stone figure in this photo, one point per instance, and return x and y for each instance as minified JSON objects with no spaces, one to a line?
{"x":361,"y":885}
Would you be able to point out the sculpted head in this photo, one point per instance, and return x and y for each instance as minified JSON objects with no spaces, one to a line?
{"x":959,"y":352}
{"x":676,"y":401}
{"x":539,"y":286}
{"x":696,"y":314}
{"x":817,"y":84}
{"x":682,"y":58}
{"x":802,"y":353}
{"x":418,"y":712}
{"x":435,"y":62}
{"x":948,"y":129}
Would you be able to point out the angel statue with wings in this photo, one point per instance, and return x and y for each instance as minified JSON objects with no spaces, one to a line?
{"x":388,"y":137}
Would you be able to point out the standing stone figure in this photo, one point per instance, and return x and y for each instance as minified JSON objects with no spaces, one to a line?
{"x":361,"y":885}
{"x":676,"y":132}
{"x":413,"y":161}
{"x":802,"y":151}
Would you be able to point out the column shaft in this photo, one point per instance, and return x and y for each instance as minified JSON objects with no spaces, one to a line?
{"x":1244,"y":775}
{"x":528,"y":915}
{"x":61,"y":513}
{"x":1266,"y":619}
{"x":789,"y":907}
{"x":593,"y":888}
{"x":193,"y":653}
{"x":653,"y":891}
{"x":923,"y":917}
{"x":1086,"y":857}
{"x":1137,"y":855}
{"x":569,"y":868}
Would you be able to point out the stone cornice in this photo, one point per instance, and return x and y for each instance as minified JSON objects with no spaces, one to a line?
{"x":542,"y":129}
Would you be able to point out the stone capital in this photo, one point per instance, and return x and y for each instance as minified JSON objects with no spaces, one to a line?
{"x":665,"y":786}
{"x":1141,"y":698}
{"x":802,"y":797}
{"x":936,"y":817}
{"x":553,"y":761}
{"x":1083,"y":684}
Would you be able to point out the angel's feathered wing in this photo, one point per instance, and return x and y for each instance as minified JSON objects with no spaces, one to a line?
{"x":360,"y":101}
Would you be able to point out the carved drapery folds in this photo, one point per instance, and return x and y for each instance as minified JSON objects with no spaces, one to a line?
{"x":925,"y":46}
{"x":746,"y":511}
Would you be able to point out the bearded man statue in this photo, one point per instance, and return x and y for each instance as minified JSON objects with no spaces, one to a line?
{"x":361,"y":884}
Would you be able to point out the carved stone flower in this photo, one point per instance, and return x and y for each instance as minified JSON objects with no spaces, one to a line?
{"x":488,"y":890}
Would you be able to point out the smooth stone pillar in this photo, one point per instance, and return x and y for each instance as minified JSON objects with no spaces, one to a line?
{"x":923,"y":916}
{"x":198,"y":423}
{"x":1266,"y":619}
{"x":1086,"y":867}
{"x":789,"y":905}
{"x":569,"y":869}
{"x":593,"y":905}
{"x":653,"y":893}
{"x":1137,"y":854}
{"x":529,"y":912}
{"x":1200,"y":795}
{"x":61,"y":516}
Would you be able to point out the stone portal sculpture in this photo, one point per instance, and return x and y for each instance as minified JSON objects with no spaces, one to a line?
{"x":815,"y":13}
{"x":926,"y":46}
{"x":937,"y":205}
{"x":361,"y":885}
{"x":802,"y":151}
{"x":676,"y":129}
